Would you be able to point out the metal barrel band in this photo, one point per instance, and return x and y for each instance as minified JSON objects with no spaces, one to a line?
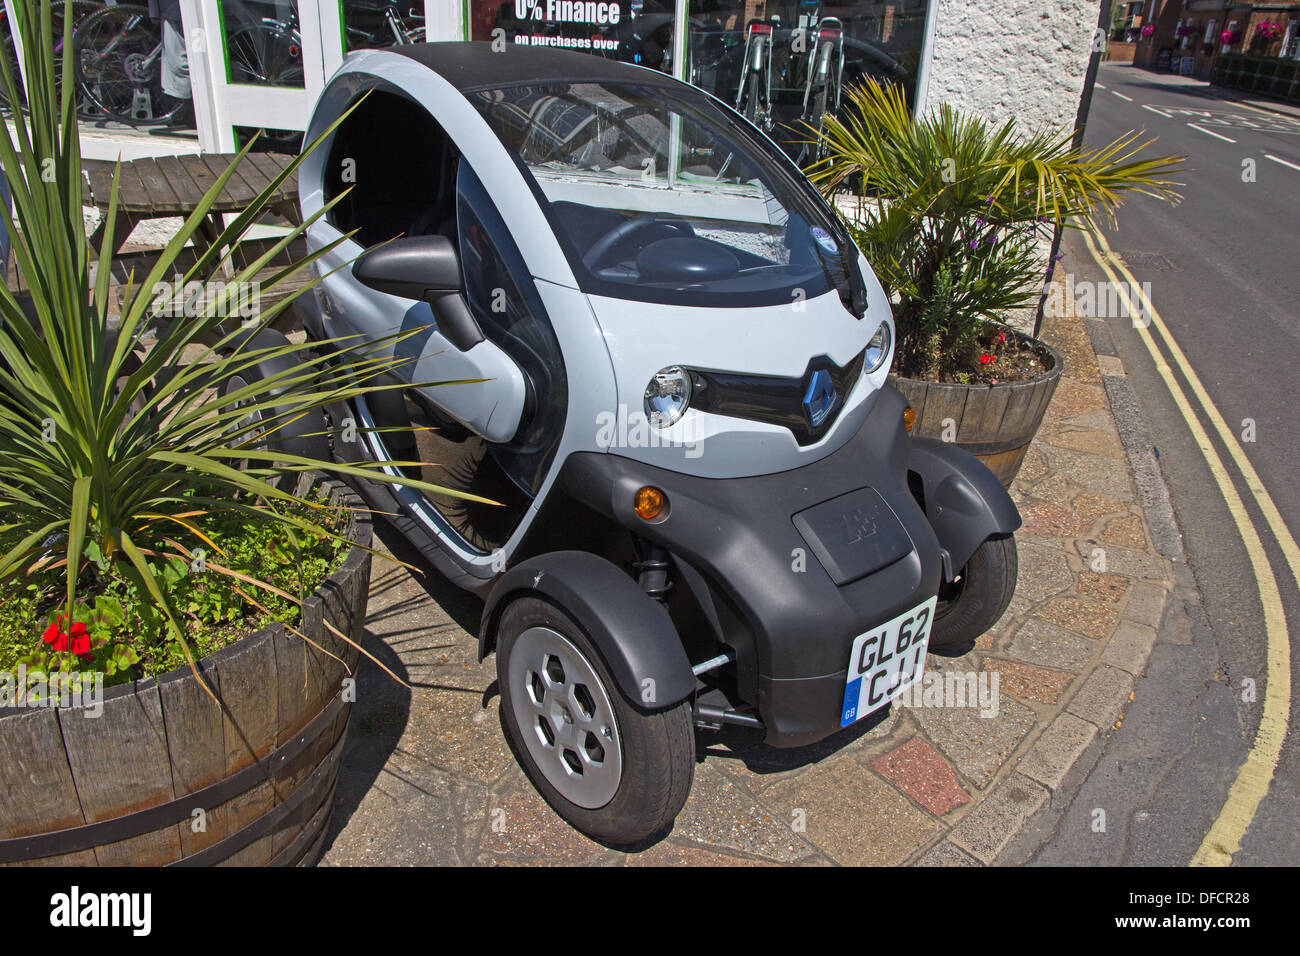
{"x":297,"y":808}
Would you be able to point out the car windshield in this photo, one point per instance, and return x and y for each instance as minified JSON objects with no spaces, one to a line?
{"x":658,"y":194}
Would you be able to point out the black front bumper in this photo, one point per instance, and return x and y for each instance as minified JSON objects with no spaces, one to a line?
{"x":787,"y":588}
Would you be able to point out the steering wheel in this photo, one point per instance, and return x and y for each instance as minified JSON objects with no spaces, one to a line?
{"x":606,"y":244}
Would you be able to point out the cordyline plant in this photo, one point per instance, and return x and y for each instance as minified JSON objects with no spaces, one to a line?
{"x":117,"y":444}
{"x":956,"y":211}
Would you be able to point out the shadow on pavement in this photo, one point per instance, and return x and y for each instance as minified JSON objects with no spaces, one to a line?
{"x":735,"y":743}
{"x":383,"y":705}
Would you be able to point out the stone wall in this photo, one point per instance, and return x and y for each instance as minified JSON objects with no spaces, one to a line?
{"x":1021,"y":58}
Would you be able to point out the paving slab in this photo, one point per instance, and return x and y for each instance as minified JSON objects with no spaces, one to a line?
{"x":1103,"y":696}
{"x":1056,"y":750}
{"x":990,"y":826}
{"x":428,"y":777}
{"x":1048,"y":645}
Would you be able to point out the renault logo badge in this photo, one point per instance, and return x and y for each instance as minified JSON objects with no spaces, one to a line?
{"x":820,"y":399}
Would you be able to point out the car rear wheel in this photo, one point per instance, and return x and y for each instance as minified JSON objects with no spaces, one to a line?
{"x":302,"y":434}
{"x":614,"y":772}
{"x":976,"y":601}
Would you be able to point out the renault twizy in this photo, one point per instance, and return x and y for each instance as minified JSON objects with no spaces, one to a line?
{"x":710,"y":509}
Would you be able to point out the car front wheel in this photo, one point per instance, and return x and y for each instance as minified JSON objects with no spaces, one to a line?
{"x":613,"y":771}
{"x":976,"y":600}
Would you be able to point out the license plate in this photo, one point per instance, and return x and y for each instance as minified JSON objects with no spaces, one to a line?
{"x":886,"y":661}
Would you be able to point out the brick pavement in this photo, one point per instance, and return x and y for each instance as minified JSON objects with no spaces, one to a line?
{"x":429,"y":779}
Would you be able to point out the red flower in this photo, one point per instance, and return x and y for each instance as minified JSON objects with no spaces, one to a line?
{"x":54,"y":635}
{"x":986,"y":359}
{"x":1000,"y":338}
{"x":80,"y":640}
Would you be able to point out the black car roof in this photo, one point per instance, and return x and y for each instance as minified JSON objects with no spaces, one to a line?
{"x":475,"y":66}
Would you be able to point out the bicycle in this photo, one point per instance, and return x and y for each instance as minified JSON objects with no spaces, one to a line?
{"x":824,"y":82}
{"x":118,"y":54}
{"x":81,"y":10}
{"x":754,"y":95}
{"x":399,"y":29}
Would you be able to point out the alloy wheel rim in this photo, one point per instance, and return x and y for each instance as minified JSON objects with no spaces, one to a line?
{"x":565,"y":717}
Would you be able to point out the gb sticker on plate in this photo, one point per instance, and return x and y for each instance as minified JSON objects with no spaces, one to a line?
{"x":886,"y":661}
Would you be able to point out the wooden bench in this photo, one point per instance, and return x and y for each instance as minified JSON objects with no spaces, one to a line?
{"x":166,"y":186}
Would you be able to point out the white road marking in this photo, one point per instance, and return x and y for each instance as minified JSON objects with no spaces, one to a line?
{"x":1282,"y":161}
{"x":1100,"y":86}
{"x":1121,"y":96}
{"x":1154,"y":109}
{"x":1210,"y":132}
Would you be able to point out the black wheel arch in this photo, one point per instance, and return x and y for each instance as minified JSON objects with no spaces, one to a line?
{"x":963,"y":501}
{"x":633,"y":632}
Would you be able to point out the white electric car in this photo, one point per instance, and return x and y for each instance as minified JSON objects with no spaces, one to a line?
{"x":710,"y":510}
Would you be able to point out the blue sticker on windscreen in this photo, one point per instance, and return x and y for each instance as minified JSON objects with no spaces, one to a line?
{"x":824,"y":240}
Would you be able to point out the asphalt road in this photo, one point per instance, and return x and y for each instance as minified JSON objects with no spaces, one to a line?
{"x":1224,"y":273}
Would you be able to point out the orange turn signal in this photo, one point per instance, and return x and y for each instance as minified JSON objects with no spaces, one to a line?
{"x":650,"y":502}
{"x":909,"y":418}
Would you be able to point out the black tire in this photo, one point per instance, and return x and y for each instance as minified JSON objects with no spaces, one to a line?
{"x":978,"y":599}
{"x":304,"y":435}
{"x":657,"y":748}
{"x":751,"y":98}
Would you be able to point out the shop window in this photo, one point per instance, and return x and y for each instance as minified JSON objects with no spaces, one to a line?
{"x":782,"y":63}
{"x":263,"y":42}
{"x":787,"y":63}
{"x":633,"y":31}
{"x":370,"y":24}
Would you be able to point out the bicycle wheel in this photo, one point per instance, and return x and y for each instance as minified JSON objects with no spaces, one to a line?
{"x":818,"y":148}
{"x":268,"y":53}
{"x":81,"y":9}
{"x":750,"y":111}
{"x":118,"y":54}
{"x":11,"y":56}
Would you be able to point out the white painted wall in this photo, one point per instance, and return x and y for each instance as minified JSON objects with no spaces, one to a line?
{"x":1004,"y":58}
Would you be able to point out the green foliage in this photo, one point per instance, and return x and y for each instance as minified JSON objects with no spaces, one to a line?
{"x":959,"y":207}
{"x":127,"y":635}
{"x":119,"y":454}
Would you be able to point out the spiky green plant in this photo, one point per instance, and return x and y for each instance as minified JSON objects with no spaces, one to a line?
{"x":951,"y":194}
{"x":116,"y":443}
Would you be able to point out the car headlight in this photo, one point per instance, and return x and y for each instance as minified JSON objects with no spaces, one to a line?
{"x":877,"y":349}
{"x":667,"y":396}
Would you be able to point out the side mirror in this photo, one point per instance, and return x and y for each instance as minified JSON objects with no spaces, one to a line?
{"x":426,"y":268}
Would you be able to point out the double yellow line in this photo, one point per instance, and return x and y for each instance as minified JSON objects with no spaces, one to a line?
{"x":1253,"y":778}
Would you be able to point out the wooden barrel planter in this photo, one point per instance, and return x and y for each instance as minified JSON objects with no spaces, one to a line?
{"x":995,"y":423}
{"x":165,"y":776}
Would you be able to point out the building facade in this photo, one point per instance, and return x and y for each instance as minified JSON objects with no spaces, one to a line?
{"x":1188,"y":36}
{"x":260,"y":64}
